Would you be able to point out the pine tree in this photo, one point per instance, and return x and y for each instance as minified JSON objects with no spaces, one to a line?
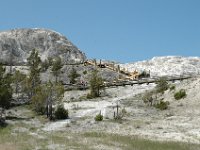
{"x":56,"y":68}
{"x":18,"y":78}
{"x":55,"y":93}
{"x":27,"y":86}
{"x":5,"y":88}
{"x":162,"y":85}
{"x":96,"y":84}
{"x":34,"y":63}
{"x":73,"y":75}
{"x":46,"y":95}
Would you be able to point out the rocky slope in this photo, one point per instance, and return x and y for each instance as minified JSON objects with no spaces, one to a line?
{"x":16,"y":45}
{"x":167,"y":66}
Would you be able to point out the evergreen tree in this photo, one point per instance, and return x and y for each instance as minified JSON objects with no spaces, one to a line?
{"x":56,"y":68}
{"x":39,"y":98}
{"x":18,"y":78}
{"x":27,"y":86}
{"x":46,"y":95}
{"x":162,"y":85}
{"x":55,"y":94}
{"x":34,"y":63}
{"x":96,"y":84}
{"x":73,"y":75}
{"x":5,"y":88}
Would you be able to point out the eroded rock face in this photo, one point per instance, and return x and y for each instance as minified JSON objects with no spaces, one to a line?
{"x":16,"y":45}
{"x":167,"y":66}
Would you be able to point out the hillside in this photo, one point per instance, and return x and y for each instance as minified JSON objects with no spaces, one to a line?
{"x":16,"y":45}
{"x":167,"y":66}
{"x":128,"y":121}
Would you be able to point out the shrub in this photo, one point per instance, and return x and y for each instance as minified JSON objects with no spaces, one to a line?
{"x":172,"y":87}
{"x":180,"y":94}
{"x":162,"y":85}
{"x":144,"y":74}
{"x":61,"y":112}
{"x":148,"y":98}
{"x":98,"y":117}
{"x":85,"y":72}
{"x":162,"y":105}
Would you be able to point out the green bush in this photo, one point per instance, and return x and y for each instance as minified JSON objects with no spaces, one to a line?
{"x":98,"y":117}
{"x":61,"y":112}
{"x":162,"y":85}
{"x":180,"y":94}
{"x":162,"y":105}
{"x":85,"y":72}
{"x":172,"y":87}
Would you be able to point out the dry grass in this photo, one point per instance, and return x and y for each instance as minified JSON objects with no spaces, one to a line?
{"x":25,"y":140}
{"x":135,"y":143}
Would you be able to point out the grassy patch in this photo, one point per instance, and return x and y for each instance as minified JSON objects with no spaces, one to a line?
{"x":134,"y":143}
{"x":26,"y":135}
{"x":180,"y":94}
{"x":162,"y":105}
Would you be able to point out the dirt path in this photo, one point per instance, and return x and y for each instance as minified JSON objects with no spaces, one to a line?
{"x":90,"y":108}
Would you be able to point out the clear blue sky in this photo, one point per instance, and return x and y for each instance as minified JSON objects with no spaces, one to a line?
{"x":121,"y":30}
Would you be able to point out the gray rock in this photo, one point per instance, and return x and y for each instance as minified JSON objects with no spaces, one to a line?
{"x":16,"y":45}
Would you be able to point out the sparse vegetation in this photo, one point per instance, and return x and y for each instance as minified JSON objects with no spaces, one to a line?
{"x":162,"y":105}
{"x":84,"y":72}
{"x":172,"y":87}
{"x":180,"y":94}
{"x":162,"y":85}
{"x":98,"y":117}
{"x":148,"y":98}
{"x":136,"y":143}
{"x":89,"y":96}
{"x":28,"y":126}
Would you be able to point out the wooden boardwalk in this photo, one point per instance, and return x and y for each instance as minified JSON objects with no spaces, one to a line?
{"x":124,"y":83}
{"x":144,"y":81}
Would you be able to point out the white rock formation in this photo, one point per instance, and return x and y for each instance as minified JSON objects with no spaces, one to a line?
{"x":16,"y":45}
{"x":167,"y":66}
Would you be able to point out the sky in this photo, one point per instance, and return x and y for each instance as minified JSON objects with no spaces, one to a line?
{"x":120,"y":30}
